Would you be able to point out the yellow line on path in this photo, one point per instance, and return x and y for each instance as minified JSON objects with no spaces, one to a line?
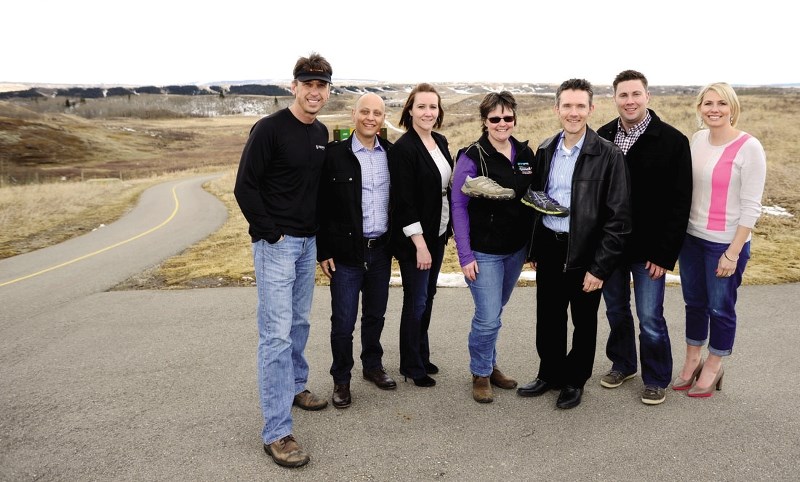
{"x":80,"y":258}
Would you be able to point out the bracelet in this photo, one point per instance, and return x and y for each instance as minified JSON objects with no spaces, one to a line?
{"x":731,"y":260}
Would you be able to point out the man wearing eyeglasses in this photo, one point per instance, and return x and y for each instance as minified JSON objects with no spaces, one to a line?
{"x":660,"y":164}
{"x":574,"y":254}
{"x":276,"y":188}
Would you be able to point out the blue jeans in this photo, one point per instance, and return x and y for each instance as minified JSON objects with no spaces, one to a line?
{"x":710,"y":301}
{"x":491,"y":290}
{"x":372,"y":280}
{"x":419,"y":288}
{"x":654,"y":346}
{"x":285,"y":283}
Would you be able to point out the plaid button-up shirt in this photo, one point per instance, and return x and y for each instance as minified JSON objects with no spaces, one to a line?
{"x":625,"y":140}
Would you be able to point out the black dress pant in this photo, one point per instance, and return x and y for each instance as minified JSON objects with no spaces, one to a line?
{"x":557,"y":291}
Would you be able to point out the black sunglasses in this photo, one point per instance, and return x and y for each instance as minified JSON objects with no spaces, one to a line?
{"x":496,"y":120}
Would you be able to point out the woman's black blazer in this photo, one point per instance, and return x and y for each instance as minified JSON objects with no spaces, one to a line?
{"x":416,"y":191}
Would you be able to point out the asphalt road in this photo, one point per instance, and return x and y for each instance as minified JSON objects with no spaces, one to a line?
{"x":160,"y":385}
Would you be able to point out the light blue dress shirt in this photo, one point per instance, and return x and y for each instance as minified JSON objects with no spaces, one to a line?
{"x":559,"y":182}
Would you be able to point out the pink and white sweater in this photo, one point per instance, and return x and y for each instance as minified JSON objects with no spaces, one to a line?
{"x":728,"y":182}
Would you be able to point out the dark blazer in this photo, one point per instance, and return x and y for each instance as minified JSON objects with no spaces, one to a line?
{"x":341,"y":221}
{"x":660,"y":165}
{"x":416,"y":191}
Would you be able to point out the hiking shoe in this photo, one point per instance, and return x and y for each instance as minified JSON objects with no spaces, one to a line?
{"x":540,"y":201}
{"x":615,"y":378}
{"x":287,"y":452}
{"x":308,"y":401}
{"x":482,"y":186}
{"x":482,"y":389}
{"x":652,"y":395}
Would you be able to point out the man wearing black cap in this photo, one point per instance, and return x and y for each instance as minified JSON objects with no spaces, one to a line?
{"x":276,"y":188}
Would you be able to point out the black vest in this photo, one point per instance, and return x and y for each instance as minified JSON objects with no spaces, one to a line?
{"x":501,"y":227}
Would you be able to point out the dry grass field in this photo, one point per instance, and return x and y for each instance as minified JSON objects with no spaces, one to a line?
{"x":66,"y":171}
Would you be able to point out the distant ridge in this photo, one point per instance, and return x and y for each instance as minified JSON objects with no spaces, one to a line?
{"x":280,"y":88}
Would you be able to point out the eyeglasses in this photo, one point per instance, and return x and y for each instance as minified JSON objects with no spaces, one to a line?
{"x":496,"y":120}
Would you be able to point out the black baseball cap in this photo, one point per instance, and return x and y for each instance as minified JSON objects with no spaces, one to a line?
{"x":313,"y":74}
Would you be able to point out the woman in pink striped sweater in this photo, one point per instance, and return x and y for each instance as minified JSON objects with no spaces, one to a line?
{"x":728,"y":171}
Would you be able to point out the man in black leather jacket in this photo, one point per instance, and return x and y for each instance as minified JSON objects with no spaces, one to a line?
{"x":573,"y":255}
{"x":353,"y":245}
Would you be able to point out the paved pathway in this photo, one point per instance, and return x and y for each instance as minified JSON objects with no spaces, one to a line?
{"x":160,"y":385}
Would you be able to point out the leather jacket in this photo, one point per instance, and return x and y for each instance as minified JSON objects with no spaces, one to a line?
{"x":600,"y":212}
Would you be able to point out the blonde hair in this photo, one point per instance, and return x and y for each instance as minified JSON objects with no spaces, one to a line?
{"x":727,"y":93}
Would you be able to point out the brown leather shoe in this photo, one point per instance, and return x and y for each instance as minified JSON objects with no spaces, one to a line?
{"x":379,"y":377}
{"x":341,"y":395}
{"x":308,"y":401}
{"x":481,"y":389}
{"x":287,"y":452}
{"x":499,"y":380}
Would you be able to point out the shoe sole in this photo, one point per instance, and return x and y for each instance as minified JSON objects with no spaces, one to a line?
{"x":387,"y":387}
{"x":341,"y":406}
{"x":559,"y":214}
{"x":528,"y":394}
{"x":648,"y":401}
{"x":310,"y":408}
{"x":506,"y":387}
{"x":613,"y":385}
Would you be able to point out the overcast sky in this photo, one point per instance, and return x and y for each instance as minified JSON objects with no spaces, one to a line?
{"x":146,"y":42}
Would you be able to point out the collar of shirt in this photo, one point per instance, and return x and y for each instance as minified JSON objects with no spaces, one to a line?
{"x":578,"y":145}
{"x":637,"y":129}
{"x":358,"y":146}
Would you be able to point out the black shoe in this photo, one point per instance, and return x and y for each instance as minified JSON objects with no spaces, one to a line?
{"x":569,"y":397}
{"x":423,"y":381}
{"x":431,"y":369}
{"x":341,"y":395}
{"x":379,"y":377}
{"x":535,"y":388}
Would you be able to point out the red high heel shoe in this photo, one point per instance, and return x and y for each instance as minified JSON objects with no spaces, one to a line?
{"x":681,"y":384}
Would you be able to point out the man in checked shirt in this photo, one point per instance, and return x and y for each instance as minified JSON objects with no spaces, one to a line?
{"x":660,"y":166}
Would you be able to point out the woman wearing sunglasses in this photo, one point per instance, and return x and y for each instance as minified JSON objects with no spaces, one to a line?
{"x":491,"y":228}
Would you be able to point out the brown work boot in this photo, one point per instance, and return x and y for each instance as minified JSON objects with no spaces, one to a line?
{"x":287,"y":452}
{"x":481,"y":389}
{"x":499,"y":380}
{"x":308,"y":401}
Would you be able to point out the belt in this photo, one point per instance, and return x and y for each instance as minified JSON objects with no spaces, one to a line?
{"x":561,"y":236}
{"x":376,"y":242}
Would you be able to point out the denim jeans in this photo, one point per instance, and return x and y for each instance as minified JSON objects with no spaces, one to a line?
{"x":285,"y":283}
{"x":491,"y":290}
{"x":710,"y":301}
{"x":372,"y":280}
{"x":419,"y":288}
{"x":654,"y":345}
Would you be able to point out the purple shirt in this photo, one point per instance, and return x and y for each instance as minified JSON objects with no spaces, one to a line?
{"x":465,"y":166}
